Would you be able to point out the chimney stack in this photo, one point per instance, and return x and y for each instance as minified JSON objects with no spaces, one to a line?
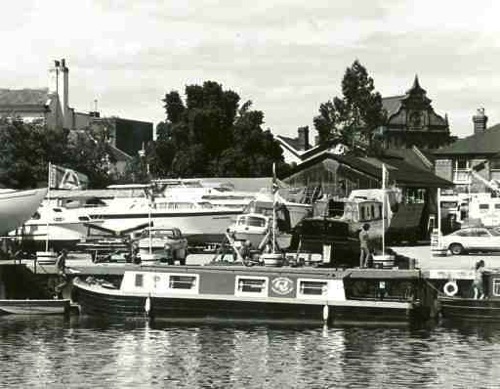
{"x":480,"y":121}
{"x":304,"y":137}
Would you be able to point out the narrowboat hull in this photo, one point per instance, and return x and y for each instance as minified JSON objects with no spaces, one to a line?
{"x":217,"y":297}
{"x":469,"y":309}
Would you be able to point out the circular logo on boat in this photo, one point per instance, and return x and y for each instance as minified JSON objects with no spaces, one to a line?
{"x":282,"y":285}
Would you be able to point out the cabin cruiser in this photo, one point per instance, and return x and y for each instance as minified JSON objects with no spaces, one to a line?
{"x":68,"y":215}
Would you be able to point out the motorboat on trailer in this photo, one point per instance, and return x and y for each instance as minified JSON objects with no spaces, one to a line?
{"x":269,"y":293}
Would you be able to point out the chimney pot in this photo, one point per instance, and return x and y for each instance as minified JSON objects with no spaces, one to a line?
{"x":480,"y":121}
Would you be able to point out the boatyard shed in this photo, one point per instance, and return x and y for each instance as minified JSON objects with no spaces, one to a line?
{"x":335,"y":176}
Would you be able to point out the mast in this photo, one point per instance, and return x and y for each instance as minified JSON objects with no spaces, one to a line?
{"x":48,"y":202}
{"x":384,"y":177}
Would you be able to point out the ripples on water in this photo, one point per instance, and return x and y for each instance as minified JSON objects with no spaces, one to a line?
{"x":80,"y":353}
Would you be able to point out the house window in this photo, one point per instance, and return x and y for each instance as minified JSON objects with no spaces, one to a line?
{"x":495,"y":164}
{"x":181,"y":282}
{"x":496,"y":287}
{"x":462,"y":164}
{"x":251,"y":286}
{"x":139,"y":280}
{"x":313,"y":288}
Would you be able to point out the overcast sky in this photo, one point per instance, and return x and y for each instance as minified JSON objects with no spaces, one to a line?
{"x":287,"y":56}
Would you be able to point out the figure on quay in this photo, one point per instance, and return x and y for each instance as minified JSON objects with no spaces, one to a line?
{"x":364,"y":245}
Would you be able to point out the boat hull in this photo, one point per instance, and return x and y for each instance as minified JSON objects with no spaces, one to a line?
{"x":34,"y":307}
{"x":470,"y":309}
{"x":16,"y":207}
{"x":112,"y":304}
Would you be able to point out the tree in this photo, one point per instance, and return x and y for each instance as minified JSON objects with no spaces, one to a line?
{"x":354,"y":117}
{"x":212,"y":135}
{"x":28,"y":148}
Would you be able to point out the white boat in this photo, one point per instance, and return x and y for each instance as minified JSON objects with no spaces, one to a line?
{"x":256,"y":229}
{"x":67,"y":216}
{"x":17,"y":206}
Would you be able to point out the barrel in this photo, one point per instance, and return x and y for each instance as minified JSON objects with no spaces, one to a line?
{"x":272,"y":259}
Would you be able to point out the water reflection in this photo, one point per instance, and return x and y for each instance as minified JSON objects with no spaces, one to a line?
{"x":58,"y":353}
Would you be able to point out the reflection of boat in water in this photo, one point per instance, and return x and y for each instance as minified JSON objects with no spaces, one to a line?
{"x":17,"y":206}
{"x":458,"y":304}
{"x":238,"y":292}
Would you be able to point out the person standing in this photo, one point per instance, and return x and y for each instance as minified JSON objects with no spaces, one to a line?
{"x":364,"y":247}
{"x":478,"y":280}
{"x":61,"y":262}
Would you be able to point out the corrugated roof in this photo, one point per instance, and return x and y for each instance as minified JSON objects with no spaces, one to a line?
{"x":399,"y":170}
{"x":9,"y":97}
{"x":487,"y":142}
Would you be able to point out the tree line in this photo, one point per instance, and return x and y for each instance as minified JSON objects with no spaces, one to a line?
{"x":209,"y":133}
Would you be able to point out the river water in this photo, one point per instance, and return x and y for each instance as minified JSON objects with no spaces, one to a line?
{"x":53,"y":352}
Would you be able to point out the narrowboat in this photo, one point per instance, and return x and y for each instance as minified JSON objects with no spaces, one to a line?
{"x":461,"y":305}
{"x":269,"y":293}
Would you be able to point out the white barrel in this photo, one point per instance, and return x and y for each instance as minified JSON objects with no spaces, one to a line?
{"x":272,"y":259}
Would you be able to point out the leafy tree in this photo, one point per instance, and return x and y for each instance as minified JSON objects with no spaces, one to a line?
{"x":211,"y":135}
{"x":354,"y":117}
{"x":28,"y":148}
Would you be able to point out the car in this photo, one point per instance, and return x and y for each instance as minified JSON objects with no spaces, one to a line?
{"x":471,"y":239}
{"x":162,"y":244}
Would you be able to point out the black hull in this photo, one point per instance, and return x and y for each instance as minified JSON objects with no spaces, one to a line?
{"x":124,"y":307}
{"x":470,"y":309}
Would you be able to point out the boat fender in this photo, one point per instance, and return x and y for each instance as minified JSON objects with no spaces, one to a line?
{"x":147,"y":305}
{"x":326,"y":312}
{"x":450,"y":288}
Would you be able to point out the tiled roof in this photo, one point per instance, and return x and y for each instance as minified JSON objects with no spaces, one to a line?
{"x":118,"y":154}
{"x":392,"y":103}
{"x":487,"y":142}
{"x":292,"y":142}
{"x":9,"y":97}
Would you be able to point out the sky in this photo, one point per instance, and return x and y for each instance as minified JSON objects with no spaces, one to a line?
{"x":287,"y":56}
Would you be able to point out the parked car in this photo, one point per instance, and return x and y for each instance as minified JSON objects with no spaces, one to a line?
{"x":472,"y":239}
{"x":162,"y":244}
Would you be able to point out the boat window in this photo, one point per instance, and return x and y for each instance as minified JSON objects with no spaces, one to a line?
{"x":496,"y":287}
{"x":139,"y":280}
{"x":317,"y":288}
{"x":256,"y":222}
{"x":483,"y":207}
{"x":497,"y":206}
{"x":251,"y":285}
{"x":182,"y":282}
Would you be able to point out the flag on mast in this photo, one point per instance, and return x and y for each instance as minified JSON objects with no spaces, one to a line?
{"x":64,"y":178}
